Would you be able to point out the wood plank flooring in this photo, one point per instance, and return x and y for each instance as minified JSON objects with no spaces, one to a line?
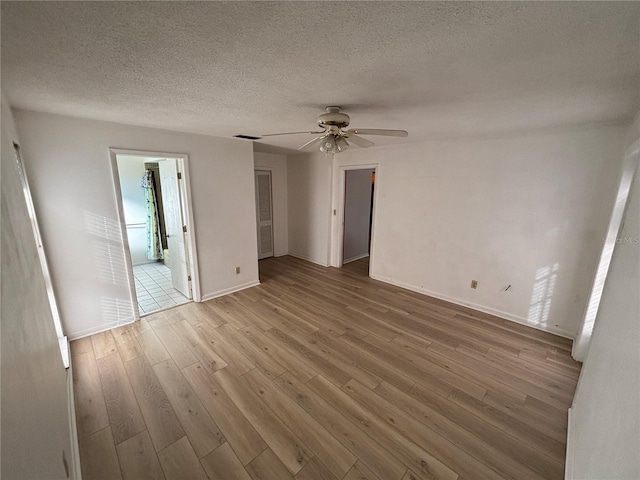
{"x":323,"y":374}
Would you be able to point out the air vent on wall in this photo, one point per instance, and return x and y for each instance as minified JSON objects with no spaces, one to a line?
{"x":247,"y":137}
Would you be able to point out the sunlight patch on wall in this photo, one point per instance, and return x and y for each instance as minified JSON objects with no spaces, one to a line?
{"x":598,"y":287}
{"x":542,"y":294}
{"x":107,"y":249}
{"x":629,"y":168}
{"x":111,"y":267}
{"x":116,"y":312}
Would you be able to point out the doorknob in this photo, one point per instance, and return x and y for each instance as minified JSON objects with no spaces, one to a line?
{"x":167,"y":236}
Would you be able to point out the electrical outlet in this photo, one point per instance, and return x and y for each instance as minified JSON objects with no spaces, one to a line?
{"x":237,"y":270}
{"x":474,"y":284}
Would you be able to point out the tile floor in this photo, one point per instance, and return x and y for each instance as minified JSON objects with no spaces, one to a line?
{"x":154,"y":289}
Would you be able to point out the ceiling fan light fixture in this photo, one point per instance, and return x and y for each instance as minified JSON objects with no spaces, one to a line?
{"x":334,"y":137}
{"x":341,"y":144}
{"x":328,"y":145}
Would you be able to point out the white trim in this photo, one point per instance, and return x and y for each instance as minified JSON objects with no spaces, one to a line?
{"x":42,"y":257}
{"x":568,"y":464}
{"x":227,"y":291}
{"x":341,"y":204}
{"x":481,"y":308}
{"x":332,"y":167}
{"x":75,"y":472}
{"x":308,"y":259}
{"x":63,"y":343}
{"x":353,"y":259}
{"x":280,"y":254}
{"x":188,"y":220}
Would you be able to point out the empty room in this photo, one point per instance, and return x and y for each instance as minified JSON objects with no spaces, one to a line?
{"x":320,"y":240}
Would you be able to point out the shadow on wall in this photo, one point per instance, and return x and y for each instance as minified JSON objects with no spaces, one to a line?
{"x":108,"y":253}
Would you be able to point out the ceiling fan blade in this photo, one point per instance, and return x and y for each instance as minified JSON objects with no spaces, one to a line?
{"x":311,"y":143}
{"x":361,"y":142}
{"x":378,"y":131}
{"x":289,"y":133}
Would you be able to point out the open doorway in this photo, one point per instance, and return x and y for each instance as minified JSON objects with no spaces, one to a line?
{"x":357,"y":217}
{"x":154,"y":209}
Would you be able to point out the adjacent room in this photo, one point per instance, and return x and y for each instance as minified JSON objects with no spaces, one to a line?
{"x":320,"y":240}
{"x":153,"y":217}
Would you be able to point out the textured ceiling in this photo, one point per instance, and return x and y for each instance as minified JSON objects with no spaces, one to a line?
{"x":436,"y":69}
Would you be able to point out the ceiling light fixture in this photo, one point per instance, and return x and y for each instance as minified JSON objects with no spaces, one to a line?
{"x":328,"y":144}
{"x":341,"y":144}
{"x":333,"y":144}
{"x":334,"y":136}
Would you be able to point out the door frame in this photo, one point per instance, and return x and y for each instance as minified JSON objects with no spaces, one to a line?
{"x":341,"y":205}
{"x":187,"y":212}
{"x":273,"y":236}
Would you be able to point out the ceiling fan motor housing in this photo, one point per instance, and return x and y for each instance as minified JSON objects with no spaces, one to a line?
{"x":333,"y":118}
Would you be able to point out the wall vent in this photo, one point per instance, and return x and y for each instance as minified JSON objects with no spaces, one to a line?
{"x":247,"y":137}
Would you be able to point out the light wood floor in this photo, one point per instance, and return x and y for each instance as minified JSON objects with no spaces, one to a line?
{"x":322,"y":373}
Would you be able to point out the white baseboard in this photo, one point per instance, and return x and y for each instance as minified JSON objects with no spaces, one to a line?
{"x":99,"y":329}
{"x":353,"y":259}
{"x":481,"y":308}
{"x":568,"y":466}
{"x":103,"y":328}
{"x":227,"y":291}
{"x":308,"y":259}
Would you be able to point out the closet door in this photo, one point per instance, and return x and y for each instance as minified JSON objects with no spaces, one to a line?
{"x":264,"y":213}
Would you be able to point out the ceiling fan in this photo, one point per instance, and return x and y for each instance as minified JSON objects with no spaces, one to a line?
{"x":333,"y":137}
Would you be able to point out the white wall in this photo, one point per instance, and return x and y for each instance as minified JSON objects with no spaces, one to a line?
{"x":357,"y":209}
{"x":527,"y":211}
{"x":309,"y":187}
{"x":604,"y":434}
{"x":35,"y":385}
{"x":277,"y":164}
{"x":68,"y":162}
{"x":130,"y":172}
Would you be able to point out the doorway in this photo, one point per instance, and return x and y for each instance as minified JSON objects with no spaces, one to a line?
{"x":357,"y":217}
{"x":154,"y":211}
{"x":264,"y":213}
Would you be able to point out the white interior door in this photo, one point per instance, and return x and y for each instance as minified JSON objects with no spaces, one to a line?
{"x":264,"y":213}
{"x":176,"y":242}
